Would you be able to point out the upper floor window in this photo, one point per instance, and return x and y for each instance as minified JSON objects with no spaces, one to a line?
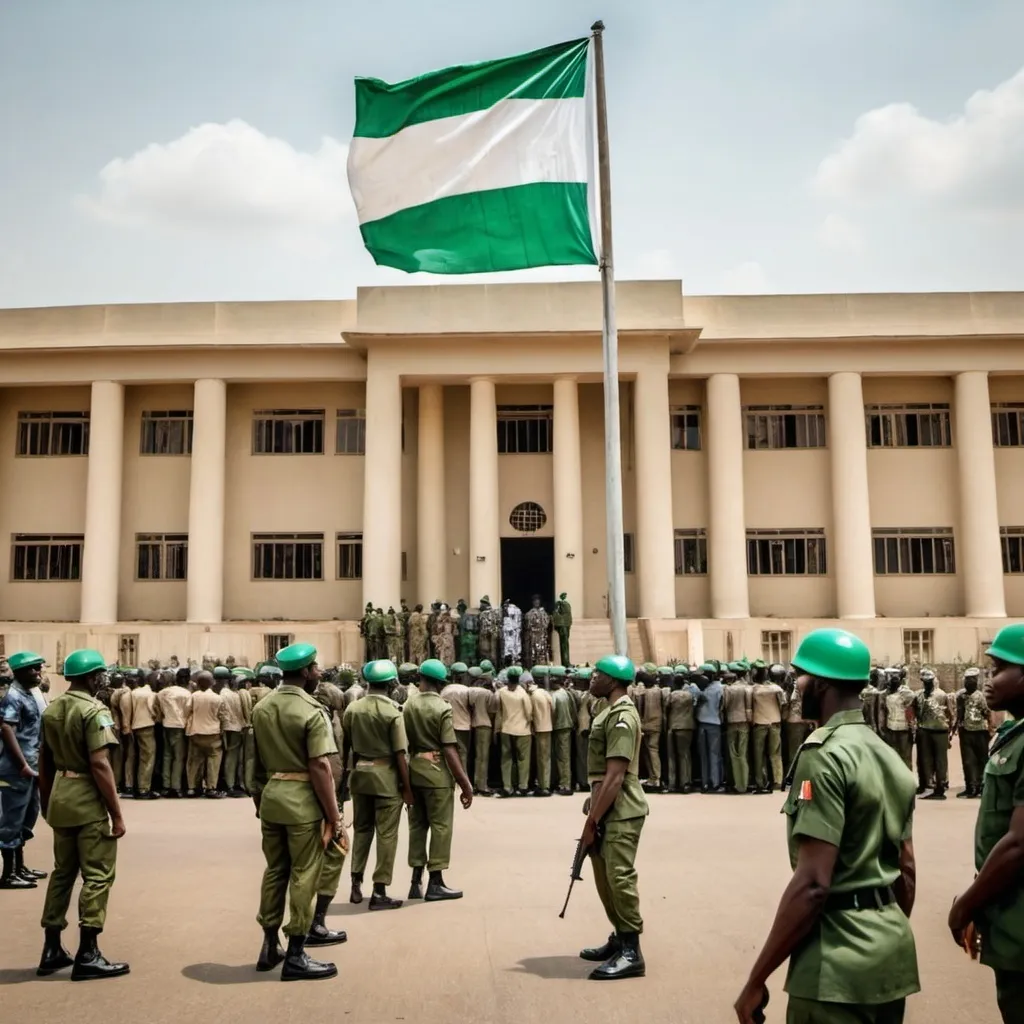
{"x":785,"y":426}
{"x":287,"y":556}
{"x":524,"y":429}
{"x":686,"y":428}
{"x":921,"y":425}
{"x":350,"y":556}
{"x":1008,"y":425}
{"x":351,"y":437}
{"x":44,"y":557}
{"x":161,"y":556}
{"x":166,"y":433}
{"x":1012,"y":538}
{"x":53,"y":433}
{"x":627,"y":552}
{"x":786,"y":552}
{"x":288,"y":432}
{"x":914,"y":551}
{"x":691,"y":552}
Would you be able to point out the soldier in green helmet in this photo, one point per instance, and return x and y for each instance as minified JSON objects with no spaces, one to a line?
{"x":79,"y":799}
{"x":990,"y":912}
{"x":584,"y":716}
{"x":843,"y":921}
{"x":563,"y":720}
{"x":482,"y":704}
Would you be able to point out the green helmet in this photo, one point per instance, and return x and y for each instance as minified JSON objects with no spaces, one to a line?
{"x":434,"y":669}
{"x":708,"y":669}
{"x":83,"y":663}
{"x":243,"y":673}
{"x":24,"y":659}
{"x":475,"y":671}
{"x":1009,"y":644}
{"x":486,"y":666}
{"x":222,"y":672}
{"x":555,"y":671}
{"x":295,"y":657}
{"x":617,"y":666}
{"x":514,"y":671}
{"x":268,"y":671}
{"x":380,"y":671}
{"x":407,"y":668}
{"x":540,"y":670}
{"x":459,"y":666}
{"x":835,"y":654}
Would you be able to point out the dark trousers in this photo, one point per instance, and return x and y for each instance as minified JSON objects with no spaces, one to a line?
{"x":973,"y":753}
{"x":709,"y":745}
{"x":933,"y":754}
{"x":19,"y":810}
{"x":1010,"y":995}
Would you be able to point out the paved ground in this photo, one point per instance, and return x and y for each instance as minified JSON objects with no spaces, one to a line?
{"x":711,"y":869}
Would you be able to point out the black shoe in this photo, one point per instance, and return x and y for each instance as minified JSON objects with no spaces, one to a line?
{"x":976,"y":795}
{"x":172,"y":794}
{"x":25,"y":872}
{"x":939,"y":794}
{"x":9,"y":878}
{"x":151,"y":795}
{"x":214,"y":794}
{"x":55,"y":957}
{"x":564,"y":791}
{"x":598,"y":954}
{"x":524,"y":792}
{"x":504,"y":794}
{"x":236,"y":793}
{"x":90,"y":964}
{"x":542,"y":792}
{"x":127,"y":794}
{"x":356,"y":895}
{"x":299,"y":966}
{"x":484,"y":792}
{"x":319,"y":933}
{"x":271,"y":953}
{"x":719,"y":789}
{"x":382,"y":901}
{"x":922,"y":789}
{"x":965,"y":794}
{"x":627,"y":963}
{"x":686,"y":789}
{"x":437,"y":890}
{"x":416,"y":887}
{"x":705,"y":789}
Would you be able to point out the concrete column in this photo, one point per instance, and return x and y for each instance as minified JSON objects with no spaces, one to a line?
{"x":568,"y":491}
{"x":727,"y":535}
{"x":484,"y":542}
{"x":431,"y":540}
{"x":655,"y":562}
{"x":849,"y":548}
{"x":101,"y":556}
{"x":979,"y":556}
{"x":382,"y":483}
{"x":205,"y":587}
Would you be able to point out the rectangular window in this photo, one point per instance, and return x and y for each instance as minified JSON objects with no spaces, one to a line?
{"x":288,"y":432}
{"x":1008,"y":425}
{"x":405,"y":567}
{"x":351,"y":436}
{"x":287,"y":556}
{"x":627,"y":552}
{"x":46,"y":558}
{"x":786,"y":553}
{"x":921,"y":425}
{"x":686,"y":428}
{"x":274,"y":642}
{"x":785,"y":426}
{"x":915,"y":551}
{"x":350,"y":556}
{"x":776,"y":646}
{"x":53,"y":433}
{"x":166,"y":433}
{"x":161,"y":556}
{"x":691,"y":550}
{"x":524,"y":429}
{"x":1012,"y":538}
{"x":128,"y":650}
{"x":918,"y":646}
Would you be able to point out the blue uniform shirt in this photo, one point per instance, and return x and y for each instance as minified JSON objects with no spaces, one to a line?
{"x":710,"y":710}
{"x":19,"y":710}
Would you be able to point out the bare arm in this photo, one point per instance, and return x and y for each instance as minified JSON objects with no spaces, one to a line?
{"x":604,"y":796}
{"x":46,"y":776}
{"x":451,"y":755}
{"x":905,"y":886}
{"x":11,"y":744}
{"x":103,"y":776}
{"x":322,"y":780}
{"x":402,"y":761}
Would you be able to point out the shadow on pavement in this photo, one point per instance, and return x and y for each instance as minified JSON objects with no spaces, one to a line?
{"x":19,"y":975}
{"x":228,"y":974}
{"x":554,"y":967}
{"x":347,"y":909}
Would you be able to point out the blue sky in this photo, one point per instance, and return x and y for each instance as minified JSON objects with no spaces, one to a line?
{"x":757,"y":145}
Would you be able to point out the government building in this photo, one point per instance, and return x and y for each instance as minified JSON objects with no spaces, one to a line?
{"x":217,"y":478}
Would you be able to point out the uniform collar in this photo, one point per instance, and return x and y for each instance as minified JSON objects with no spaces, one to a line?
{"x":1006,"y":732}
{"x":292,"y":688}
{"x":624,"y":697}
{"x":854,"y":716}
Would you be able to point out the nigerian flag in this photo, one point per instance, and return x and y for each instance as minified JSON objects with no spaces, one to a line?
{"x":478,"y":168}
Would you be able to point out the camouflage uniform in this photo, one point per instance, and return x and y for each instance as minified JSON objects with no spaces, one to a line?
{"x":538,"y":629}
{"x":489,"y":640}
{"x":417,"y":637}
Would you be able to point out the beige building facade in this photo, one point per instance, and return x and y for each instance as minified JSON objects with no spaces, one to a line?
{"x":218,"y":477}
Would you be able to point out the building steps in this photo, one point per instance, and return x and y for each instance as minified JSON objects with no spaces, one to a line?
{"x":592,"y":639}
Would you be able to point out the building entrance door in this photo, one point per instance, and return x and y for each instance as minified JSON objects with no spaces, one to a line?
{"x":528,"y":568}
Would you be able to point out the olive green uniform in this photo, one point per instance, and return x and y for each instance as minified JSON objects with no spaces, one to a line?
{"x":851,"y":790}
{"x":584,"y":706}
{"x":737,"y":702}
{"x":74,"y":726}
{"x":973,"y":718}
{"x":935,"y":714}
{"x":428,"y":725}
{"x":290,"y":729}
{"x":563,"y":717}
{"x":376,"y":735}
{"x":616,"y":733}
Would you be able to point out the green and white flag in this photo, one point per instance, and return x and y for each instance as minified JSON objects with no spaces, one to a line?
{"x":478,"y":168}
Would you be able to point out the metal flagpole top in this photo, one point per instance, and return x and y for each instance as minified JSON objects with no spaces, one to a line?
{"x":598,"y":26}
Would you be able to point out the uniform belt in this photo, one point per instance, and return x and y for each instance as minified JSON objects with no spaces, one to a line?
{"x":68,"y":774}
{"x":861,"y":899}
{"x":428,"y":755}
{"x":377,"y":762}
{"x":291,"y":776}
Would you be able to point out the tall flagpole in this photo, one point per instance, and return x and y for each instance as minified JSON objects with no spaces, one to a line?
{"x":614,"y":541}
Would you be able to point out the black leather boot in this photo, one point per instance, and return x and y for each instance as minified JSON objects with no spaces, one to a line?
{"x":356,"y":895}
{"x":9,"y":878}
{"x":299,"y":966}
{"x":55,"y":957}
{"x":380,"y":900}
{"x":627,"y":963}
{"x":319,"y":933}
{"x":598,"y":954}
{"x":437,"y":890}
{"x":938,"y":794}
{"x":24,"y":872}
{"x":416,"y":887}
{"x":90,"y":963}
{"x":271,"y":953}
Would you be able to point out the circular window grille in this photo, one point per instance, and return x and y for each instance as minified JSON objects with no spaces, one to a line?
{"x":527,"y":517}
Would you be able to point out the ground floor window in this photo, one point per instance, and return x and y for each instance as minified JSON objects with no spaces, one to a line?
{"x":918,"y":646}
{"x":776,"y":646}
{"x":274,"y":642}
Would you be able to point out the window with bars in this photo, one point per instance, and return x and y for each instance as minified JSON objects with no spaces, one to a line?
{"x":46,"y":558}
{"x":161,"y":556}
{"x":527,"y":517}
{"x":1008,"y":425}
{"x":128,"y":650}
{"x":786,"y":552}
{"x":524,"y":429}
{"x":686,"y":428}
{"x":1012,"y":539}
{"x":288,"y":432}
{"x":53,"y":433}
{"x":691,"y":552}
{"x":351,"y":432}
{"x":918,"y":646}
{"x":350,"y":556}
{"x":776,"y":646}
{"x":287,"y":556}
{"x":627,"y":552}
{"x":922,"y":425}
{"x":274,"y":642}
{"x":166,"y":433}
{"x":915,"y":551}
{"x":785,"y":426}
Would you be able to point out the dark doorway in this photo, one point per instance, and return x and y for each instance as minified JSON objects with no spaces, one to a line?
{"x":528,"y":568}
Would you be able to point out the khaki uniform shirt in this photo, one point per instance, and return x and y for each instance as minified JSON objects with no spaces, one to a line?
{"x":376,"y":732}
{"x":457,"y":694}
{"x":173,"y":702}
{"x":937,"y":712}
{"x":563,"y":710}
{"x":430,"y":728}
{"x":585,"y":704}
{"x":123,"y":696}
{"x":616,"y":733}
{"x":204,"y":713}
{"x":231,"y":714}
{"x":896,"y":705}
{"x":681,"y":705}
{"x":332,"y":699}
{"x":144,"y":710}
{"x":768,"y":699}
{"x":483,"y":704}
{"x":515,"y":712}
{"x":650,"y":702}
{"x":871,"y":699}
{"x":738,"y":701}
{"x":542,"y":710}
{"x":353,"y":693}
{"x":258,"y":692}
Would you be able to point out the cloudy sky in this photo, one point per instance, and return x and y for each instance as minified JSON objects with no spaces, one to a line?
{"x":195,"y":149}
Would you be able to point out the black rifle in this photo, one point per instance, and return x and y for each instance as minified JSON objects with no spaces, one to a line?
{"x":582,"y":852}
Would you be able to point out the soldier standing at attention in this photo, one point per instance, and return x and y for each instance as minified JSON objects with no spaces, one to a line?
{"x":267,"y":678}
{"x":79,"y":800}
{"x":246,"y":677}
{"x":561,"y":622}
{"x":651,"y":705}
{"x":871,"y":697}
{"x":584,"y":706}
{"x":618,"y":805}
{"x":543,"y":724}
{"x":680,"y":712}
{"x":936,"y":717}
{"x":144,"y":718}
{"x":417,"y":635}
{"x":173,"y":705}
{"x":434,"y":768}
{"x":203,"y":725}
{"x":738,"y":702}
{"x":299,"y":818}
{"x":843,"y":921}
{"x":514,"y":724}
{"x":482,"y":704}
{"x":768,"y":701}
{"x":895,"y":703}
{"x":123,"y":696}
{"x":796,"y":729}
{"x":563,"y":718}
{"x":233,"y":722}
{"x":538,"y":634}
{"x":489,"y":640}
{"x":974,"y":724}
{"x":378,"y":781}
{"x":456,"y":693}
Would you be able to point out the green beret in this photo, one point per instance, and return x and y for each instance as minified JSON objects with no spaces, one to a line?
{"x":222,"y":672}
{"x":83,"y":663}
{"x":434,"y":669}
{"x":244,"y":673}
{"x":295,"y":657}
{"x":707,"y":667}
{"x":649,"y":666}
{"x":758,"y":663}
{"x":268,"y":671}
{"x":459,"y":666}
{"x":618,"y":667}
{"x":486,"y":666}
{"x":380,"y":671}
{"x":476,"y":672}
{"x":25,"y":659}
{"x":407,"y":668}
{"x":541,"y":670}
{"x":555,"y":671}
{"x":514,"y":671}
{"x":583,"y":672}
{"x":666,"y":670}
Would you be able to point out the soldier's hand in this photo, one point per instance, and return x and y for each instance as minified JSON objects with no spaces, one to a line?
{"x":117,"y":827}
{"x":750,"y":1005}
{"x":467,"y":798}
{"x":407,"y":798}
{"x":586,"y":806}
{"x":28,"y":772}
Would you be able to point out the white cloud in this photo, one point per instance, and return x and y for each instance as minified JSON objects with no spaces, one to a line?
{"x":975,"y":158}
{"x":221,"y":176}
{"x":745,"y":279}
{"x":839,"y":233}
{"x":654,"y":265}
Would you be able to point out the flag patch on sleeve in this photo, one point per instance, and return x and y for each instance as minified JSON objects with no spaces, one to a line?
{"x":806,"y":791}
